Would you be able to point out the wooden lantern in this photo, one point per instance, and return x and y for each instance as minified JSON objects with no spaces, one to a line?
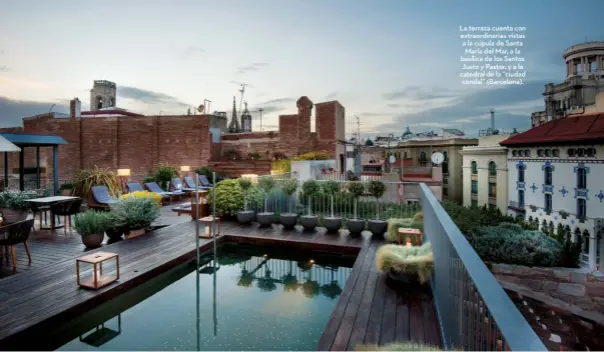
{"x":209,"y":231}
{"x":97,"y":278}
{"x":410,"y":235}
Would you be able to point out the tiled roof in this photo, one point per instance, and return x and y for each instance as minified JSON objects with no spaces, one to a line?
{"x":573,"y":129}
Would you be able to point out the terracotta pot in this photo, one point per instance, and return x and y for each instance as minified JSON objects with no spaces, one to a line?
{"x":94,"y":240}
{"x":10,"y":216}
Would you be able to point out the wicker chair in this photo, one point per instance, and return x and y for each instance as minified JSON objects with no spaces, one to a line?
{"x":42,"y":211}
{"x":66,"y":209}
{"x":13,"y":234}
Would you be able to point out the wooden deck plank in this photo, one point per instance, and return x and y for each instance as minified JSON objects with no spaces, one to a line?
{"x":388,"y":332}
{"x":374,"y":326}
{"x":402,"y":332}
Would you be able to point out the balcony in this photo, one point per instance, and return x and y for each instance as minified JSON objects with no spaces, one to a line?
{"x":514,"y":205}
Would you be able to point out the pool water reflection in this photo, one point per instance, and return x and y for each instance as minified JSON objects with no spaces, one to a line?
{"x":250,"y":298}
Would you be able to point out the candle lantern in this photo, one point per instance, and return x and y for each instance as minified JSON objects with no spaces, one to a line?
{"x":412,"y":237}
{"x":97,"y":270}
{"x":209,"y":230}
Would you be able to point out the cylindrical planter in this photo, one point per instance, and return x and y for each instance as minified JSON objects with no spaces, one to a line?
{"x":94,"y":240}
{"x":114,"y":233}
{"x":378,"y":227}
{"x":309,"y":222}
{"x":10,"y":216}
{"x":355,"y":226}
{"x":288,"y":220}
{"x":265,"y":219}
{"x":245,"y":217}
{"x":332,"y":224}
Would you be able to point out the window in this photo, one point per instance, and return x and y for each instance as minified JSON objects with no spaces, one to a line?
{"x":527,"y":152}
{"x":540,"y":152}
{"x":492,"y":206}
{"x":445,"y":192}
{"x":99,"y":102}
{"x":580,"y":152}
{"x":548,"y":175}
{"x":514,"y":153}
{"x":548,"y":203}
{"x":492,"y":169}
{"x":521,"y":198}
{"x":521,"y":173}
{"x":571,"y":152}
{"x":591,"y":152}
{"x":405,"y":155}
{"x":474,"y":203}
{"x":446,"y":155}
{"x":445,"y":166}
{"x":548,"y":153}
{"x":445,"y":181}
{"x":492,"y":190}
{"x":422,"y":156}
{"x":555,"y":153}
{"x":521,"y":153}
{"x":581,"y":209}
{"x":581,"y":178}
{"x":474,"y":168}
{"x":474,"y":187}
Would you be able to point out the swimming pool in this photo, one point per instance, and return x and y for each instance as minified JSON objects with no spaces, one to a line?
{"x":250,"y":298}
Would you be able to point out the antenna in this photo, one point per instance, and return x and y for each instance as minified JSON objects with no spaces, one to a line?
{"x":358,"y":130}
{"x":260,"y":111}
{"x":492,"y":120}
{"x":242,"y":91}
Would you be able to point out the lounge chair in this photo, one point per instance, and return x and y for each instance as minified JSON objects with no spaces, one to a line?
{"x":100,"y":198}
{"x":191,"y":184}
{"x":134,"y":187}
{"x":154,"y":187}
{"x":203,"y":180}
{"x":178,"y":186}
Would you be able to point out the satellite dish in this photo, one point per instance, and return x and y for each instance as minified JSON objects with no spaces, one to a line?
{"x":391,"y":159}
{"x":200,"y":108}
{"x":438,"y":158}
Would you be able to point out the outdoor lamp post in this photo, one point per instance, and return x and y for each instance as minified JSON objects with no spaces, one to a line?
{"x":184,"y":170}
{"x":124,"y":175}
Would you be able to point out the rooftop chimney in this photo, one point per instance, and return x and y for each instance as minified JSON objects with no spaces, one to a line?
{"x":75,"y":108}
{"x":492,"y":120}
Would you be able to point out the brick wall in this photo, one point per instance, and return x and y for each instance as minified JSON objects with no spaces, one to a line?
{"x":294,"y":136}
{"x":237,"y":168}
{"x":136,"y":143}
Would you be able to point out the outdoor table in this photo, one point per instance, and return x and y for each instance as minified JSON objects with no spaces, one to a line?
{"x":48,"y":201}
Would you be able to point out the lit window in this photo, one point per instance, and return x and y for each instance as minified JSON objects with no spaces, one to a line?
{"x":492,"y":190}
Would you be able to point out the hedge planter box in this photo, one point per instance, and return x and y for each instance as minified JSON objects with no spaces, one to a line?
{"x":10,"y":216}
{"x":288,"y":220}
{"x":265,"y":219}
{"x":378,"y":227}
{"x":309,"y":222}
{"x":134,"y":233}
{"x":355,"y":226}
{"x":245,"y":217}
{"x":332,"y":224}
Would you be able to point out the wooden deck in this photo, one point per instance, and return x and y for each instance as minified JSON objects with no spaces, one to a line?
{"x":46,"y":293}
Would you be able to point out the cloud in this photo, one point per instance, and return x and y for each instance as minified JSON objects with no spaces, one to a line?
{"x":419,"y":93}
{"x":275,"y":105}
{"x":151,"y":97}
{"x":191,"y":51}
{"x":252,"y":67}
{"x":331,"y":95}
{"x":12,"y":111}
{"x":513,"y":105}
{"x":3,"y":69}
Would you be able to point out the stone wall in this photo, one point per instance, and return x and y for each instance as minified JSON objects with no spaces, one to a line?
{"x":575,"y":287}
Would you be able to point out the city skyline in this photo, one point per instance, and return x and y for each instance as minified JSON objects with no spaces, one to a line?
{"x":170,"y":57}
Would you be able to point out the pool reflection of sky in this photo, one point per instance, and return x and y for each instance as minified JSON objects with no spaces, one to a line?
{"x":263,"y":316}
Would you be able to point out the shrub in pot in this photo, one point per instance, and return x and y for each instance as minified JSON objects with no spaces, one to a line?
{"x":134,"y":215}
{"x":245,"y":216}
{"x":406,"y":264}
{"x":332,"y":223}
{"x":289,"y":219}
{"x":91,"y":225}
{"x":230,"y":198}
{"x":266,"y":218}
{"x":14,"y":206}
{"x":310,"y":188}
{"x":114,"y":231}
{"x":66,"y":189}
{"x":377,"y":226}
{"x":355,"y":225}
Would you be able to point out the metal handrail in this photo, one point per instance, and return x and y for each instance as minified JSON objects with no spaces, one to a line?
{"x":453,"y":252}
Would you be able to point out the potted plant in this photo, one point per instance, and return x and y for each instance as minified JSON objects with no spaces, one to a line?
{"x":245,"y":216}
{"x":134,"y":215}
{"x":332,"y":223}
{"x":114,"y":230}
{"x":91,"y":225}
{"x":14,"y":206}
{"x":377,"y":226}
{"x":266,"y":184}
{"x":66,"y":188}
{"x":309,"y":221}
{"x":289,"y":219}
{"x":406,"y":263}
{"x":355,"y":225}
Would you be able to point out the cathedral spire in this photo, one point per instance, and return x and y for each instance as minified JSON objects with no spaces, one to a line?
{"x":234,"y":125}
{"x":246,"y":119}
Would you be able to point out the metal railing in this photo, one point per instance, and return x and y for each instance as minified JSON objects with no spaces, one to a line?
{"x":474,"y":311}
{"x":515,"y":204}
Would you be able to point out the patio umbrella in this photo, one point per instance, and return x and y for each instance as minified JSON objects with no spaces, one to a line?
{"x":6,"y":146}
